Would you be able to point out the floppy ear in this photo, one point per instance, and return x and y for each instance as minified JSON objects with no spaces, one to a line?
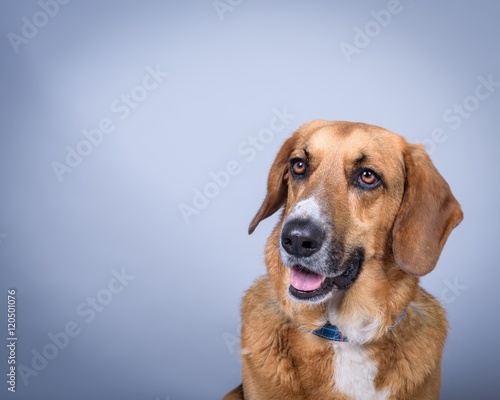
{"x":276,"y":185}
{"x":426,"y":217}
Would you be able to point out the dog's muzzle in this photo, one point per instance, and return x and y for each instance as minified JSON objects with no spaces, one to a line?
{"x":315,"y":266}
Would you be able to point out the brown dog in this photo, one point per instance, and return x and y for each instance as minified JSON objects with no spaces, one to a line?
{"x":340,"y":314}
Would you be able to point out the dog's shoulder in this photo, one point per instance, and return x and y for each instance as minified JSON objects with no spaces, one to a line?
{"x":285,"y":358}
{"x":262,"y":317}
{"x":261,"y":297}
{"x":409,"y":357}
{"x":427,"y":320}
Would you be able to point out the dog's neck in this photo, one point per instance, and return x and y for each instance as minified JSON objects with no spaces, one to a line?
{"x":373,"y":305}
{"x":332,"y":332}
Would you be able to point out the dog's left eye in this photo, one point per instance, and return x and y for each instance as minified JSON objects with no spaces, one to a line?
{"x":368,"y":178}
{"x":299,"y":167}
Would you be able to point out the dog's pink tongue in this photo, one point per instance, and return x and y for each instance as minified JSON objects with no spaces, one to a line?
{"x":304,"y":280}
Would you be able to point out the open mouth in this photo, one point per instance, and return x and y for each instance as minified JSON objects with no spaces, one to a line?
{"x":308,"y":285}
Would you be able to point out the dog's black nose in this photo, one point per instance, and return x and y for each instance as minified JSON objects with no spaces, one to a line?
{"x":301,"y":238}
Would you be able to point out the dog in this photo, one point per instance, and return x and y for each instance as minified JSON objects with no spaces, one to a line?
{"x":340,"y":313}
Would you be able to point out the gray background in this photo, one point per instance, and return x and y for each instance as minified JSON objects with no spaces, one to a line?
{"x":172,"y":332}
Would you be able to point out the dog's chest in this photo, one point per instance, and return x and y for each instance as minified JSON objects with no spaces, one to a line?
{"x":354,"y":372}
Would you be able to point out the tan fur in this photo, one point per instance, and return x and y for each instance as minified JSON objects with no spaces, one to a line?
{"x":402,"y":227}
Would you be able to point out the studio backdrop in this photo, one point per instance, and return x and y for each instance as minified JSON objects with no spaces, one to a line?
{"x":135,"y":142}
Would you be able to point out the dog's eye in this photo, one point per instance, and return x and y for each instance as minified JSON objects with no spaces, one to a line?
{"x":368,"y":179}
{"x":299,"y":166}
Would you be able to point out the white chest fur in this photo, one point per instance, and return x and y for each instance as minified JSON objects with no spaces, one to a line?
{"x":355,"y":372}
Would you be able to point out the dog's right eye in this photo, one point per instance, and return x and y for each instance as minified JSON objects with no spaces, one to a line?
{"x":298,"y":167}
{"x":367,"y":179}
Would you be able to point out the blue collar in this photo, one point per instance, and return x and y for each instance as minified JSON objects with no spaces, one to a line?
{"x":331,"y":332}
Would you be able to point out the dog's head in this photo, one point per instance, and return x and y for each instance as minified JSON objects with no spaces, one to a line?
{"x":354,"y":195}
